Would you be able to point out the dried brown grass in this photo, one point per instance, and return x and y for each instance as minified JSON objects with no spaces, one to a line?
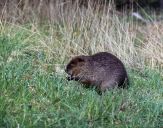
{"x":74,"y":30}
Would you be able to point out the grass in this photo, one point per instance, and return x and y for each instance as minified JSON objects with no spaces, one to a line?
{"x":35,"y":93}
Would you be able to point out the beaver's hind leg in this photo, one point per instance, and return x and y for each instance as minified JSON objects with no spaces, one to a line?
{"x":107,"y":85}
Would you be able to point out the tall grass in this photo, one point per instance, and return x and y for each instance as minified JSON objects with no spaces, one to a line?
{"x":75,"y":30}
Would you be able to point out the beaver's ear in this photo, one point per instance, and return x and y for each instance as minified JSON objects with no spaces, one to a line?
{"x":76,"y":61}
{"x":80,"y":61}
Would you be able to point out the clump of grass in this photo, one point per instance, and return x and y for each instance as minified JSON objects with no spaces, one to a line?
{"x":152,"y":45}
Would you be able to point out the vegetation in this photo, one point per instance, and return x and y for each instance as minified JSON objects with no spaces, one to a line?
{"x":35,"y":93}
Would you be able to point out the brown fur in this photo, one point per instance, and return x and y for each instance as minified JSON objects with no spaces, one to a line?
{"x":102,"y":70}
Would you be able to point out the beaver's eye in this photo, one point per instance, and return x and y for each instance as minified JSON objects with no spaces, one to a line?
{"x":73,"y":64}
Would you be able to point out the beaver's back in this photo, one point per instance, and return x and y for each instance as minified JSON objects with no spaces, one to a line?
{"x":106,"y":66}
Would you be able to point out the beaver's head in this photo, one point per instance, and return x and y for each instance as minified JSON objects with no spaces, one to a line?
{"x":75,"y":68}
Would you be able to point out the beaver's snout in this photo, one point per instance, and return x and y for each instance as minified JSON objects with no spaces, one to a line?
{"x":69,"y":78}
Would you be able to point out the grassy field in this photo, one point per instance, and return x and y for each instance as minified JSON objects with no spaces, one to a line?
{"x":35,"y":93}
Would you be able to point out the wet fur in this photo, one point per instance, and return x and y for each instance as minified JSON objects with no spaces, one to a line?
{"x":102,"y":70}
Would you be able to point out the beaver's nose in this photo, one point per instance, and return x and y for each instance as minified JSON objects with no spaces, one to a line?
{"x":69,"y":77}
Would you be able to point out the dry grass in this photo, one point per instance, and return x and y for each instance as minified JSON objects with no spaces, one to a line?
{"x":75,"y":30}
{"x":153,"y":44}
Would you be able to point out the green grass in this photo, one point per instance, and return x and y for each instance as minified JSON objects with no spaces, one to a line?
{"x":33,"y":95}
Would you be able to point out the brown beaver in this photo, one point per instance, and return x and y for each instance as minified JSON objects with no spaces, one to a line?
{"x":101,"y":70}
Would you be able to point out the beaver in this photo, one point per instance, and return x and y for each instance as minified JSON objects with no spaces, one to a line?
{"x":102,"y":70}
